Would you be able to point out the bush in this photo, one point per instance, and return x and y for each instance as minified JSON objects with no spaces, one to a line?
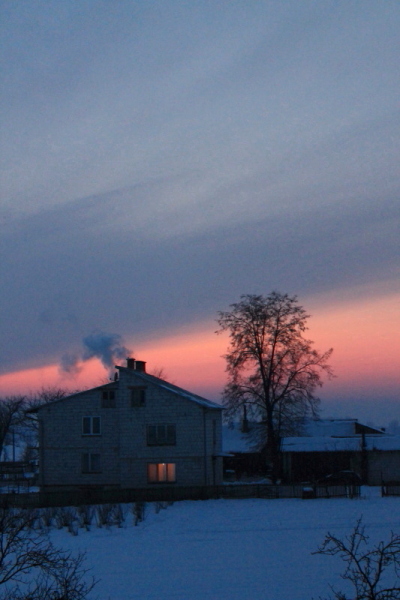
{"x":32,"y":568}
{"x":368,"y":570}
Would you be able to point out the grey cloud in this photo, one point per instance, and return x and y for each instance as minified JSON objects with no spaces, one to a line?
{"x":136,"y":99}
{"x":350,"y":165}
{"x":160,"y":159}
{"x":132,"y":284}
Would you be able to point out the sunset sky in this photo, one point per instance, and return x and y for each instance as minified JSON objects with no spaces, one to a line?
{"x":161,"y":158}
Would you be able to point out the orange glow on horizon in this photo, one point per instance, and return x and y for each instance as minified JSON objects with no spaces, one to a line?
{"x":364,"y":336}
{"x":192,"y":360}
{"x":365,"y":340}
{"x":31,"y":380}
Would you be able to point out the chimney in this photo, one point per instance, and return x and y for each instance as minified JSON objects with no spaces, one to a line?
{"x":130,"y":363}
{"x":140,"y":365}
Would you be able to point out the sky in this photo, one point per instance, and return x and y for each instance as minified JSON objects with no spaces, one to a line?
{"x":160,"y":159}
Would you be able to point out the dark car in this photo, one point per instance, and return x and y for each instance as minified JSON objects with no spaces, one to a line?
{"x":341,"y":478}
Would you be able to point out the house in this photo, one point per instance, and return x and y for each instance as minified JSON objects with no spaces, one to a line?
{"x":134,"y":432}
{"x":332,"y":445}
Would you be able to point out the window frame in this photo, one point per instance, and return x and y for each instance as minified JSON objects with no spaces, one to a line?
{"x":89,"y":465}
{"x":137,"y":396}
{"x":92,"y":430}
{"x":108,"y":399}
{"x":161,"y":434}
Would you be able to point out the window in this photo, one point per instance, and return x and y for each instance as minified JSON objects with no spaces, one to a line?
{"x":138,"y":396}
{"x":161,"y":472}
{"x":91,"y":426}
{"x":91,"y":463}
{"x":161,"y":435}
{"x":108,"y":399}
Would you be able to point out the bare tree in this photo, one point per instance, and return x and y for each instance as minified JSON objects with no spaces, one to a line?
{"x":32,"y":568}
{"x":18,"y":410}
{"x":273,"y":370}
{"x":366,"y":568}
{"x":12,"y":414}
{"x":45,"y":395}
{"x":159,"y":372}
{"x":30,"y":433}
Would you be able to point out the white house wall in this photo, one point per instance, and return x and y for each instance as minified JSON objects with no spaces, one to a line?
{"x":122,"y":443}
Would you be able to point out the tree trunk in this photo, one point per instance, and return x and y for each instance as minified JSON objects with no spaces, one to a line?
{"x":272,"y":450}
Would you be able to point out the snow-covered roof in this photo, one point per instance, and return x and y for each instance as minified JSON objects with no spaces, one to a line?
{"x":234,"y":440}
{"x":336,"y":427}
{"x":330,"y":427}
{"x":340,"y":444}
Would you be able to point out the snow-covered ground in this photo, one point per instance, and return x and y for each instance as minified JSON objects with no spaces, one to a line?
{"x":229,"y":549}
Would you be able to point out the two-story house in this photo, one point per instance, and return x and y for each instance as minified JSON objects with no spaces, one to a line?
{"x":134,"y":432}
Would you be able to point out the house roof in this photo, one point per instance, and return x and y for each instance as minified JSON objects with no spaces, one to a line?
{"x":235,"y":441}
{"x":339,"y":435}
{"x":35,"y":409}
{"x":340,"y":444}
{"x":146,"y":377}
{"x":337,"y":427}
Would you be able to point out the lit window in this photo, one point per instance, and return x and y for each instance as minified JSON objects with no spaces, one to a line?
{"x":91,"y":463}
{"x":161,"y":472}
{"x":161,"y":435}
{"x":108,"y":399}
{"x":91,"y":426}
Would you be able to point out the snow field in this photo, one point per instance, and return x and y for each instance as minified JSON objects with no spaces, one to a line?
{"x":250,"y":549}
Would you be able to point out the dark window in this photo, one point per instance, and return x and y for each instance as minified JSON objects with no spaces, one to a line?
{"x":108,"y":399}
{"x":161,"y":472}
{"x":161,"y":435}
{"x":138,"y":396}
{"x":91,"y":426}
{"x":91,"y":463}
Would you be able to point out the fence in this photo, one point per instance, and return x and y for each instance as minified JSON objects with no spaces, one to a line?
{"x":172,"y":494}
{"x":15,"y":476}
{"x":390,"y":489}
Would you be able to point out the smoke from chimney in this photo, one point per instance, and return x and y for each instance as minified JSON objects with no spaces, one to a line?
{"x":105,"y":346}
{"x":108,"y":347}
